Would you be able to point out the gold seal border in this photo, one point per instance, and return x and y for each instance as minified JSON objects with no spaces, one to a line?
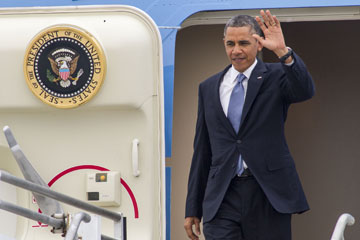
{"x":99,"y":62}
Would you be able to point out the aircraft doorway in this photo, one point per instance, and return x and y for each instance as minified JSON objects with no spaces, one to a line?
{"x":323,"y":133}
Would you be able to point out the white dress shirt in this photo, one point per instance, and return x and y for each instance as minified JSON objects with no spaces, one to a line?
{"x":228,"y":83}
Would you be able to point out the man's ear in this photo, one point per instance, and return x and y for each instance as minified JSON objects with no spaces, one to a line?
{"x":258,"y":40}
{"x":260,"y":46}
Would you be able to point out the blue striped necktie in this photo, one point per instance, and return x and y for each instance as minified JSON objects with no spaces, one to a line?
{"x":236,"y":104}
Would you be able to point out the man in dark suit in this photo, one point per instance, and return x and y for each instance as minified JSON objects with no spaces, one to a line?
{"x":243,"y":181}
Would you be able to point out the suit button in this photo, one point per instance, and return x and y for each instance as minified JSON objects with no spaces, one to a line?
{"x":238,"y":141}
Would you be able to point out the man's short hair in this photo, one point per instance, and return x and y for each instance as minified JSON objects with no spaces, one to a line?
{"x":242,"y":21}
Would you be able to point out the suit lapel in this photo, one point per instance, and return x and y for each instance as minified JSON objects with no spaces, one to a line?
{"x":218,"y":106}
{"x":256,"y":79}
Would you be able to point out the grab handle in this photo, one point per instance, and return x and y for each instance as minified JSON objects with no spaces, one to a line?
{"x":344,"y":219}
{"x":135,"y":157}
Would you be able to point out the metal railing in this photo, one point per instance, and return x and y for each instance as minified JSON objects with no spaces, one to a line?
{"x":56,"y":223}
{"x":119,"y":221}
{"x":343,"y":221}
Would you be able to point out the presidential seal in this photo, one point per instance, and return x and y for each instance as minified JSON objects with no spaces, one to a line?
{"x":64,"y":66}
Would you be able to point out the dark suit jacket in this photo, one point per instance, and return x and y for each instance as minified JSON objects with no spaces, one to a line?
{"x":261,"y":140}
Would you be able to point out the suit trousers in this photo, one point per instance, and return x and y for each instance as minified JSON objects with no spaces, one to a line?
{"x":246,"y":214}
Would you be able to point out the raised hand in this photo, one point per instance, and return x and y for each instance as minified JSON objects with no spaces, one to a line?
{"x":274,"y":38}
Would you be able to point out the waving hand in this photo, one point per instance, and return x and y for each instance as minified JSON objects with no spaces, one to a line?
{"x":274,"y":38}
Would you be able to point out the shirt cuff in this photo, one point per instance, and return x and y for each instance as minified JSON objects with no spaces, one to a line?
{"x":289,"y":64}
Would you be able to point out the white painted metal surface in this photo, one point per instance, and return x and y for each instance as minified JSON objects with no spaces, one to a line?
{"x":64,"y":145}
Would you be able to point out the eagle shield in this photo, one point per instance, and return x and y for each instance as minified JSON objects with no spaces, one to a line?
{"x":63,"y":63}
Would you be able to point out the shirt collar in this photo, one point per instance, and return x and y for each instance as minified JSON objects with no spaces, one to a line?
{"x":247,"y":72}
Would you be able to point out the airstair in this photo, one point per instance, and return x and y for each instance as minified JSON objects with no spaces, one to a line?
{"x":65,"y":224}
{"x":69,"y":225}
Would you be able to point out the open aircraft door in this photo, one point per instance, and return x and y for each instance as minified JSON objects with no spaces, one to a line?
{"x":82,"y":91}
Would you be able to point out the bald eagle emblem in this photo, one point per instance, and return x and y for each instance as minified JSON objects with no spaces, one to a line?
{"x":63,"y":63}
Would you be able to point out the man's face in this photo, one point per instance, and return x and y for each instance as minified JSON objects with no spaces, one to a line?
{"x":240,"y":46}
